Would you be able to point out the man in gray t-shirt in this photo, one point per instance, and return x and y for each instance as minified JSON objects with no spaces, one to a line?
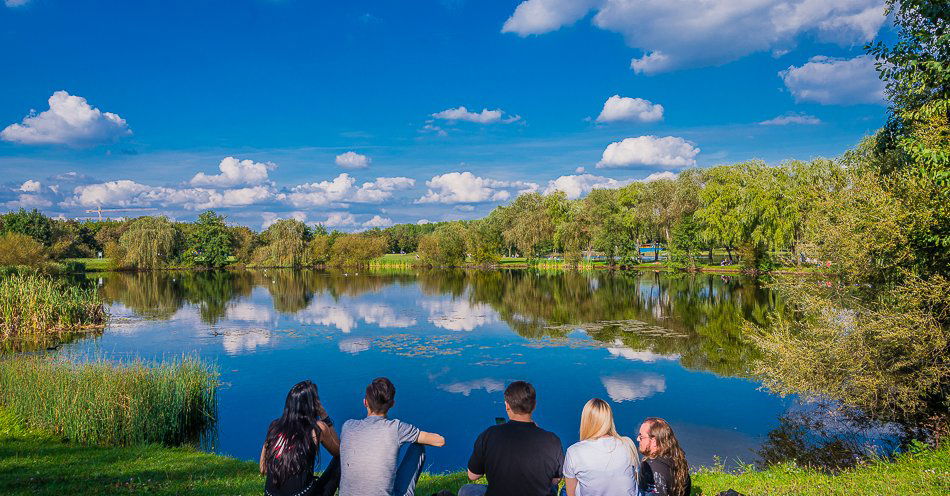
{"x":369,"y":448}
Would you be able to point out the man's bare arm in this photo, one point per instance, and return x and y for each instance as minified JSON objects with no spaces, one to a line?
{"x":329,"y":438}
{"x":431,"y":439}
{"x":473,"y":476}
{"x":263,"y":464}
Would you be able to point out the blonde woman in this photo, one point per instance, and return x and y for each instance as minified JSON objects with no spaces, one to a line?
{"x":664,"y":471}
{"x":602,"y":463}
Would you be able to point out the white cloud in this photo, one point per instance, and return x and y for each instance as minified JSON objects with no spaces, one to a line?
{"x":579,"y":185}
{"x":235,"y":172}
{"x":693,"y":33}
{"x":353,"y":160}
{"x":658,"y":176}
{"x":669,"y":151}
{"x":339,"y":219}
{"x":383,"y":316}
{"x":343,"y":189}
{"x":621,"y":108}
{"x":30,"y":186}
{"x":29,"y":201}
{"x":249,"y":312}
{"x":646,"y":356}
{"x":270,"y":217}
{"x":832,"y":81}
{"x":422,"y":222}
{"x":378,"y":221}
{"x":465,"y":388}
{"x":792,"y":118}
{"x":237,"y":342}
{"x":126,"y":193}
{"x":580,"y":170}
{"x":69,"y":120}
{"x":465,"y":187}
{"x":484,"y":117}
{"x":633,"y":386}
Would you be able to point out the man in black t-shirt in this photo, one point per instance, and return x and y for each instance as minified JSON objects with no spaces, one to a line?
{"x":518,"y":458}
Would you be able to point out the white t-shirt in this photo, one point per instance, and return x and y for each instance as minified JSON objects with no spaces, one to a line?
{"x":602,"y":467}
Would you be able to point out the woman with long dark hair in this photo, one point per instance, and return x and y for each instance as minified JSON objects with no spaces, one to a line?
{"x":293,"y":445}
{"x":664,"y":471}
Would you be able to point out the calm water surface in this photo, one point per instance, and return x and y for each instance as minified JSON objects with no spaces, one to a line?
{"x":652,"y":344}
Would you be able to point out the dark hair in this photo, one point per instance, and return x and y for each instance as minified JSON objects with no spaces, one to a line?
{"x":667,"y":446}
{"x":289,"y":444}
{"x":380,"y":395}
{"x":520,"y":397}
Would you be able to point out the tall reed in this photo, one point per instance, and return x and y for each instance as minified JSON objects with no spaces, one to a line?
{"x":109,"y":403}
{"x":34,"y":306}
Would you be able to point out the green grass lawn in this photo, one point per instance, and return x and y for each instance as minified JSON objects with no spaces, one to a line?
{"x":93,"y":264}
{"x":33,"y":463}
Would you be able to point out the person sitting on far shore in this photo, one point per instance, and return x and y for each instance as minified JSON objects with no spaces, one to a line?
{"x":602,"y":463}
{"x":664,"y":471}
{"x":293,"y":444}
{"x":518,"y":458}
{"x":370,"y":448}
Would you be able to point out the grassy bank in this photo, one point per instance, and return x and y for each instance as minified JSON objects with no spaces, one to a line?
{"x":38,"y":307}
{"x":34,"y":463}
{"x":107,"y":403}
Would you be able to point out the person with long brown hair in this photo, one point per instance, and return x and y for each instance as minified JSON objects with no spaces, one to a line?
{"x":602,"y":463}
{"x":664,"y":471}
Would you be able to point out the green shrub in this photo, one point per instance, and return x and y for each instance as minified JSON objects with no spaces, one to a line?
{"x":35,"y":306}
{"x":20,"y":249}
{"x":108,"y":403}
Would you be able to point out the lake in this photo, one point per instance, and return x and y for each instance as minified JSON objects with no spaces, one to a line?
{"x":651,"y":343}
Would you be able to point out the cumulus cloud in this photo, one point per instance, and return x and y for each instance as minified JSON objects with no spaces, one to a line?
{"x":69,"y":121}
{"x":465,"y":187}
{"x":30,"y":186}
{"x":422,"y":222}
{"x":832,"y":81}
{"x":484,"y":117}
{"x":576,"y":186}
{"x":693,"y":33}
{"x":353,"y":160}
{"x":648,"y":356}
{"x":660,"y":176}
{"x":339,"y":219}
{"x":621,"y":108}
{"x":29,"y":201}
{"x":669,"y":151}
{"x":342,"y":189}
{"x":792,"y":118}
{"x":235,"y":172}
{"x":238,"y":342}
{"x":633,"y":386}
{"x":127,"y":193}
{"x":378,"y":221}
{"x":270,"y":217}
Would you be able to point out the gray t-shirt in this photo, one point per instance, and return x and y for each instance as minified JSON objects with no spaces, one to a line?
{"x":602,"y":467}
{"x":369,"y":449}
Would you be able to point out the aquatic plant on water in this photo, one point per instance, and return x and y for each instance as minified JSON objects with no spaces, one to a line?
{"x":112,"y":403}
{"x":34,"y":306}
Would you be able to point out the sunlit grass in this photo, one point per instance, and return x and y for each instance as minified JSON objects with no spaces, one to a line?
{"x":110,"y":403}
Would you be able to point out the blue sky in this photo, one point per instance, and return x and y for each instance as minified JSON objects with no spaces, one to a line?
{"x":351,"y":113}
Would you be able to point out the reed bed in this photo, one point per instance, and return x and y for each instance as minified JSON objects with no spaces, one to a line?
{"x":36,"y":307}
{"x":110,"y":403}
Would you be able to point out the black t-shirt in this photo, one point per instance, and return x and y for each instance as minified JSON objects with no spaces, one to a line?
{"x":518,"y":458}
{"x":656,"y":478}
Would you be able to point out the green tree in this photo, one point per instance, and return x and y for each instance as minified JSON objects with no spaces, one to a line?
{"x":445,"y":247}
{"x":210,"y":242}
{"x":320,"y":249}
{"x":32,"y":223}
{"x":357,"y":250}
{"x":483,"y":241}
{"x":148,"y":243}
{"x":284,"y":245}
{"x":20,"y":249}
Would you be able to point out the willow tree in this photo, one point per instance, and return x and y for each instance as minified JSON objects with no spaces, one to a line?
{"x":285,"y":245}
{"x":148,"y":243}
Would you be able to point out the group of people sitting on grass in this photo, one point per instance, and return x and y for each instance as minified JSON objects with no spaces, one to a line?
{"x":517,"y":457}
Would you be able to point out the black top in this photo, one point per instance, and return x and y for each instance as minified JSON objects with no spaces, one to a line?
{"x":518,"y":458}
{"x":299,"y":484}
{"x":656,"y":478}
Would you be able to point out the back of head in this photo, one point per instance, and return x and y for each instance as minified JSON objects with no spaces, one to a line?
{"x":380,"y":395}
{"x":289,"y":442}
{"x":669,"y":447}
{"x":521,"y":397}
{"x":597,"y":420}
